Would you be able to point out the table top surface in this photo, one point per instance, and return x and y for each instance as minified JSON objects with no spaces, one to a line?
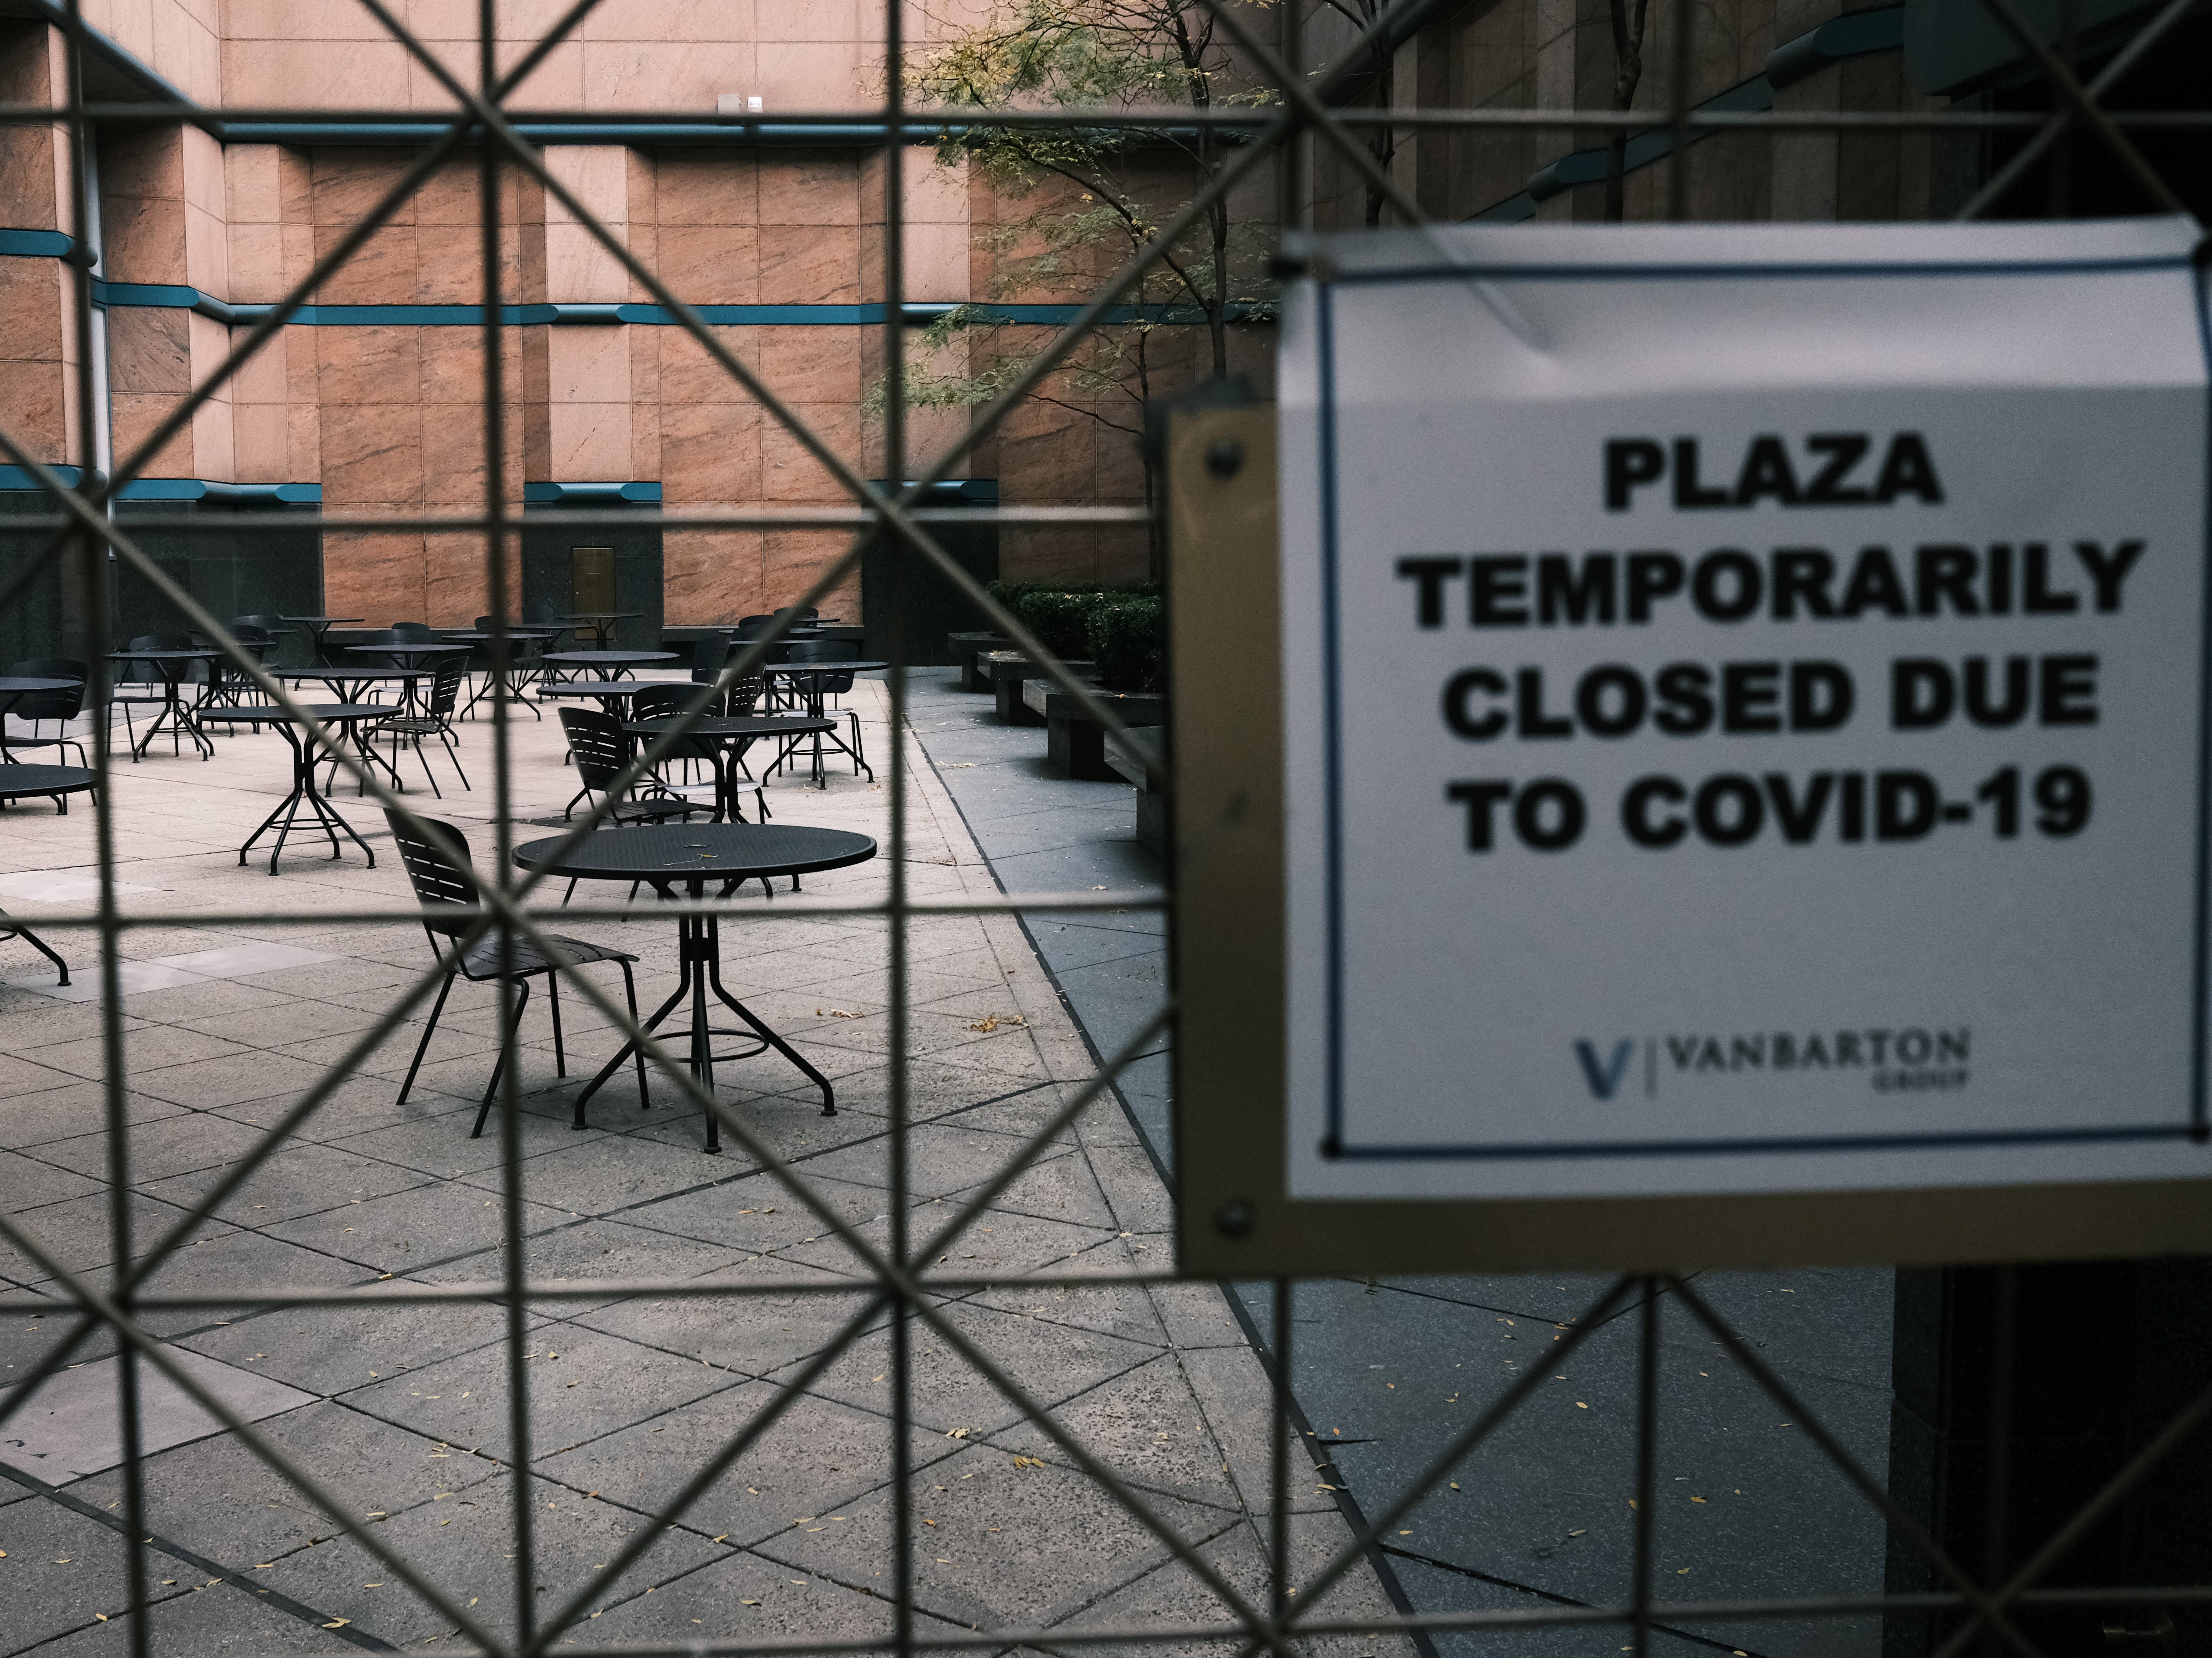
{"x":478,"y":636}
{"x":701,"y":851}
{"x":602,"y":616}
{"x":619,"y":658}
{"x":13,"y":683}
{"x":196,"y":655}
{"x":330,"y":713}
{"x":602,"y":689}
{"x":411,"y":646}
{"x":789,"y":668}
{"x":52,"y":780}
{"x":340,"y":670}
{"x":738,"y":725}
{"x":323,"y":621}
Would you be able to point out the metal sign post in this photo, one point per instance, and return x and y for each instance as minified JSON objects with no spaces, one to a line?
{"x":1737,"y":791}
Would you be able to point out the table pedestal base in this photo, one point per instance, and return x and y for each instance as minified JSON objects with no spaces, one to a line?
{"x":176,"y":717}
{"x":700,"y":938}
{"x":304,"y":796}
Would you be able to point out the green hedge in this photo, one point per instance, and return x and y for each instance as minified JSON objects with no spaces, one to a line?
{"x":1128,"y":636}
{"x":1122,"y":629}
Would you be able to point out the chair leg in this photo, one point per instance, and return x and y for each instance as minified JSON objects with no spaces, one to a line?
{"x":499,"y":1069}
{"x":423,"y":761}
{"x":630,"y":992}
{"x":569,"y":894}
{"x":40,"y":945}
{"x":553,"y":1003}
{"x":428,"y":1030}
{"x":454,"y":755}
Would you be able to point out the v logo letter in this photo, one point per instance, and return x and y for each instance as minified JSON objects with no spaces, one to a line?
{"x":1605,"y":1079}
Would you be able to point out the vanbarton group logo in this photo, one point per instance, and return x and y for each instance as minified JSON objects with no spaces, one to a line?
{"x":1895,"y":1058}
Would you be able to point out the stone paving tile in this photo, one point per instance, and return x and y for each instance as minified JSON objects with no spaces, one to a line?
{"x":1008,"y":1545}
{"x":172,"y":1146}
{"x":302,"y":1179}
{"x":790,"y":1312}
{"x":806,"y":1466}
{"x":950,"y":1395}
{"x":62,"y":1572}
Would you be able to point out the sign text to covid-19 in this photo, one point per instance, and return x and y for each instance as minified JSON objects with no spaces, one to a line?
{"x":1504,"y":596}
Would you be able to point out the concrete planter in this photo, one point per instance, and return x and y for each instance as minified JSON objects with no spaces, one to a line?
{"x":964,"y":649}
{"x":1140,"y":760}
{"x":1008,"y":671}
{"x":1074,"y":742}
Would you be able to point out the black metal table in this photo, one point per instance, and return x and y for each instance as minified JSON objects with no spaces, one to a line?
{"x":351,"y":685}
{"x":175,"y":714}
{"x":347,"y":718}
{"x":600,"y":624}
{"x":806,"y":678}
{"x":320,"y":627}
{"x":609,"y":665}
{"x":17,"y":782}
{"x":525,"y":673}
{"x":693,"y":856}
{"x":407,"y":653}
{"x":13,"y":688}
{"x":610,"y":693}
{"x":726,"y":737}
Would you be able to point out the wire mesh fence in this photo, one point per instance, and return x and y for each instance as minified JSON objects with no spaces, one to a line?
{"x":897,"y":1297}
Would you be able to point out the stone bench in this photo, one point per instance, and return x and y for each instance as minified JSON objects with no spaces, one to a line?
{"x":1076,"y":742}
{"x":1007,"y":671}
{"x":964,"y":649}
{"x":1138,"y":758}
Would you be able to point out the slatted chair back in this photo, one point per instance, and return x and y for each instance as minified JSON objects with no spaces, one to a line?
{"x":50,"y":705}
{"x":438,"y":866}
{"x":746,"y":691}
{"x":411,"y":633}
{"x":150,"y":673}
{"x":828,"y":649}
{"x":600,"y":744}
{"x":447,"y":676}
{"x":708,"y":656}
{"x":378,"y":636}
{"x":752,"y":627}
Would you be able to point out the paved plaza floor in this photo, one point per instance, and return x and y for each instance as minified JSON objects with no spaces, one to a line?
{"x":403,"y":1413}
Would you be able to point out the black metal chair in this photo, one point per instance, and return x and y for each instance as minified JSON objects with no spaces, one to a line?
{"x":226,"y":685}
{"x":42,"y":705}
{"x":439,"y":865}
{"x":833,"y":650}
{"x":12,"y":928}
{"x":147,"y":674}
{"x":708,"y":656}
{"x":601,"y":749}
{"x":662,"y":701}
{"x":411,"y":633}
{"x":437,"y":720}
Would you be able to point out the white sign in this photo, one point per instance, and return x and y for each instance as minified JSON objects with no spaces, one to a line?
{"x":1744,"y":699}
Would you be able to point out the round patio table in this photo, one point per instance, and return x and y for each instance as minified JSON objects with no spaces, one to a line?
{"x":608,"y":664}
{"x":320,"y":627}
{"x":407,"y":653}
{"x":175,"y":713}
{"x":692,"y":856}
{"x":13,"y":688}
{"x":352,"y":684}
{"x":347,"y":719}
{"x":807,"y":678}
{"x":59,"y":781}
{"x":727,"y":736}
{"x":600,"y":624}
{"x":526,"y":671}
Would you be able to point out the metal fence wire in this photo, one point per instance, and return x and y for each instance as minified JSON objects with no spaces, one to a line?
{"x":1979,"y":1605}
